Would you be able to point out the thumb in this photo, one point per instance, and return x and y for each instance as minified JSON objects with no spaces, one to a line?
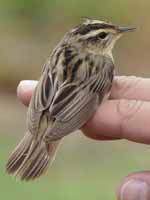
{"x":25,"y":90}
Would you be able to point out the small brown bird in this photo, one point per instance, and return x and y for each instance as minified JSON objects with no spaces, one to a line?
{"x":75,"y":80}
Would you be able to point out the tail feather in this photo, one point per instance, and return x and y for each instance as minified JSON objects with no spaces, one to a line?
{"x":31,"y":158}
{"x":39,"y":170}
{"x":34,"y":166}
{"x":19,"y":154}
{"x":31,"y":163}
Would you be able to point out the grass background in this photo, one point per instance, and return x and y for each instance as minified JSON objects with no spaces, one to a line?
{"x":83,"y":169}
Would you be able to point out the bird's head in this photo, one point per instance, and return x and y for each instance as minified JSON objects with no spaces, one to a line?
{"x":96,"y":36}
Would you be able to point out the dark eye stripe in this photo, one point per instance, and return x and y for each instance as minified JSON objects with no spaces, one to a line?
{"x":85,"y":29}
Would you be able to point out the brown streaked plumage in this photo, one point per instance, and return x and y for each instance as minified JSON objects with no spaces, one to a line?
{"x":75,"y":80}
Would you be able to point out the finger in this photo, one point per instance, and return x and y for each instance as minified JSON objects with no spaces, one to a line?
{"x":135,"y":187}
{"x":131,"y":87}
{"x":124,"y":87}
{"x":25,"y":90}
{"x":101,"y":127}
{"x":127,"y":87}
{"x":125,"y":119}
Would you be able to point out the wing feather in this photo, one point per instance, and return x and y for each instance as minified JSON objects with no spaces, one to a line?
{"x":41,"y":100}
{"x":83,"y":104}
{"x":68,"y":104}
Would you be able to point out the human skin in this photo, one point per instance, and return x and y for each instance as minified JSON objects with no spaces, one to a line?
{"x":126,"y":115}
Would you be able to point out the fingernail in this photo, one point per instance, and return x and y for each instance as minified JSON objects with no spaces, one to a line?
{"x":26,"y":85}
{"x":134,"y":190}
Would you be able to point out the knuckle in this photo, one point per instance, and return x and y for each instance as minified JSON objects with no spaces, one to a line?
{"x":126,"y":84}
{"x":127,"y":109}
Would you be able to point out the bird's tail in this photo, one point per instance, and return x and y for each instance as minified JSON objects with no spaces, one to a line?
{"x":31,"y":158}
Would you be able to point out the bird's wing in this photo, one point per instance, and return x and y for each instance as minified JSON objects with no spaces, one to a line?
{"x":74,"y":104}
{"x":41,"y":100}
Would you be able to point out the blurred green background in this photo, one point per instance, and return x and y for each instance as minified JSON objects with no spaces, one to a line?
{"x":84,"y":169}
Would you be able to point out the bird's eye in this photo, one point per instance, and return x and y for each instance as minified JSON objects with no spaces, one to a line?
{"x":102,"y":35}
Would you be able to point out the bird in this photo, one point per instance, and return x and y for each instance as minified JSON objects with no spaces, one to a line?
{"x":75,"y":80}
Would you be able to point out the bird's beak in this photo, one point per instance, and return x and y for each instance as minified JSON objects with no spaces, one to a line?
{"x":122,"y":29}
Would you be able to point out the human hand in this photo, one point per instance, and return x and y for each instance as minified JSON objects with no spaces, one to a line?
{"x":125,"y":116}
